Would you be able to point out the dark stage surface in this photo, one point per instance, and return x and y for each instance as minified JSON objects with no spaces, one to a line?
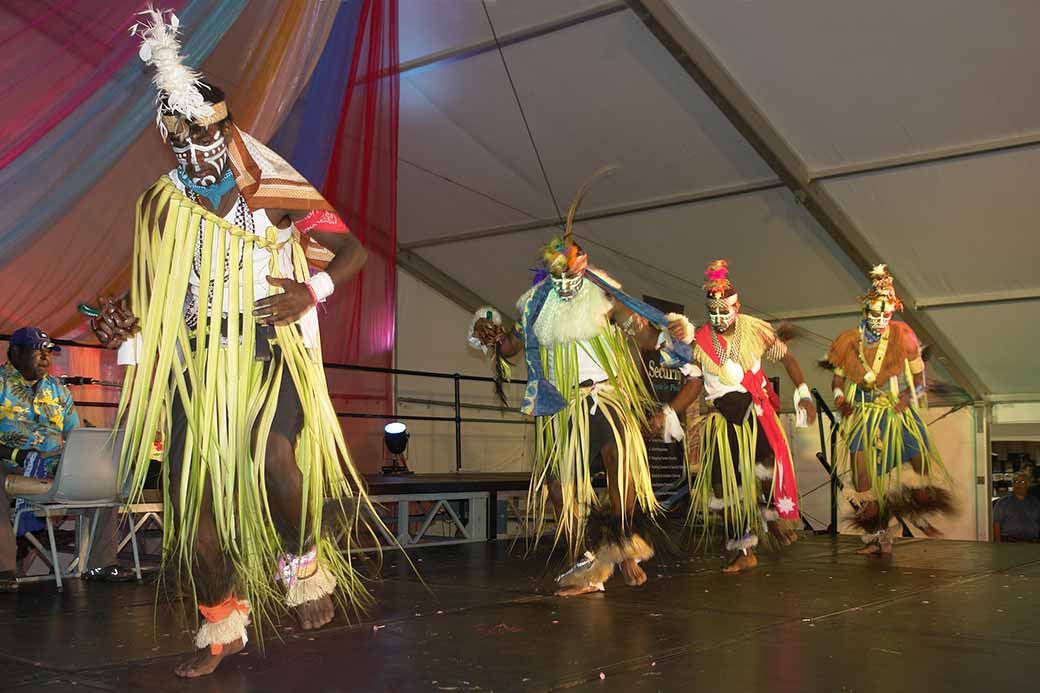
{"x":940,"y":616}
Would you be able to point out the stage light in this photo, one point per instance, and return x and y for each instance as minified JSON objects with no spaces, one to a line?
{"x":395,"y":437}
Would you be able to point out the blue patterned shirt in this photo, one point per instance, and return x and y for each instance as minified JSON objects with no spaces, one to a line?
{"x":37,"y":418}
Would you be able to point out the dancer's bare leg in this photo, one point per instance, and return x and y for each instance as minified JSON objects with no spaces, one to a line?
{"x":285,"y":491}
{"x":213,"y":582}
{"x":870,"y":510}
{"x":630,"y":570}
{"x":622,"y":501}
{"x":923,"y":499}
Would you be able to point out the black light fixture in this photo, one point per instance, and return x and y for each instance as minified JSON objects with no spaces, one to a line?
{"x":395,"y":437}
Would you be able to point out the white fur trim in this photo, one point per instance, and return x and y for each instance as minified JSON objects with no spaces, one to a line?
{"x":908,"y":478}
{"x":747,"y":542}
{"x":717,"y":503}
{"x":479,"y":314}
{"x":312,"y":588}
{"x":859,"y":496}
{"x":231,"y":629}
{"x":763,"y":472}
{"x":768,"y":514}
{"x":882,"y":536}
{"x":688,"y":328}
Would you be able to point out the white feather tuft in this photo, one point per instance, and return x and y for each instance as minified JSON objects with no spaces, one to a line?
{"x":175,"y":82}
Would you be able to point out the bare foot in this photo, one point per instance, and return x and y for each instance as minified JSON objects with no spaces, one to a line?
{"x":743,"y":561}
{"x":633,"y":574}
{"x":577,"y":591}
{"x":204,"y":662}
{"x":315,"y":614}
{"x":876,"y":549}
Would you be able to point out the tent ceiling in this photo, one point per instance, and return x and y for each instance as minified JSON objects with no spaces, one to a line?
{"x":597,"y":87}
{"x":430,"y":27}
{"x":955,"y":228}
{"x":853,"y":82}
{"x":999,"y":342}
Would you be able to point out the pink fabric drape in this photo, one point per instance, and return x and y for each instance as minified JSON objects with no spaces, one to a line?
{"x":358,"y":327}
{"x":88,"y":250}
{"x":53,"y":56}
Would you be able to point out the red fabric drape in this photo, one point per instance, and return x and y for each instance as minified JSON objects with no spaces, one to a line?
{"x":358,"y":323}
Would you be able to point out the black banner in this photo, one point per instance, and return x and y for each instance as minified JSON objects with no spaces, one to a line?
{"x":666,"y":459}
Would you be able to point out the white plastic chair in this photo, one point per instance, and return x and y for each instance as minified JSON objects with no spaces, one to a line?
{"x":86,"y":481}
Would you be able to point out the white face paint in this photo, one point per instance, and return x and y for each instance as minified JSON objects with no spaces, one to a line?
{"x":567,"y":286}
{"x":202,"y":157}
{"x":879,"y":314}
{"x":721,"y":320}
{"x":722,"y":312}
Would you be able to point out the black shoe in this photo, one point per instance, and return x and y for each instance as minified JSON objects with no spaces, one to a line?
{"x":8,"y":582}
{"x":112,"y":573}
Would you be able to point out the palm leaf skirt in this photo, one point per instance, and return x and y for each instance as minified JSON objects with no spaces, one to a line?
{"x":562,"y":440}
{"x":230,"y":398}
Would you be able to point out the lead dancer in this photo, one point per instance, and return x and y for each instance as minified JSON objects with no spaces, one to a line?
{"x":222,"y":331}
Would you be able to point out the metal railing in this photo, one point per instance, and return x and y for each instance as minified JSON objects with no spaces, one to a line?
{"x":824,"y":455}
{"x":456,"y":404}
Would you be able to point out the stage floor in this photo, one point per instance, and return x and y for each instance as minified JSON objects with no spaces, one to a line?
{"x":939,"y":616}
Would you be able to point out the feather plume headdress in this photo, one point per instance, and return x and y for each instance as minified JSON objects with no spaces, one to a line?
{"x":721,"y":293}
{"x":563,"y":255}
{"x":883,"y":289}
{"x":178,"y":97}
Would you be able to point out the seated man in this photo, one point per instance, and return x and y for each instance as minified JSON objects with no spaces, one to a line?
{"x":1016,"y":517}
{"x":36,"y":415}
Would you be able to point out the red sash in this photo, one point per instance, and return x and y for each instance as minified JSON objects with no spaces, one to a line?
{"x":785,"y":489}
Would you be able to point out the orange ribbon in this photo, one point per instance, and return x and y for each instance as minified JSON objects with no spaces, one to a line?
{"x":216,"y":614}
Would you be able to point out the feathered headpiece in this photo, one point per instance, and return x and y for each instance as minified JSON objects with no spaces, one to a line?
{"x":178,"y":96}
{"x":882,"y":289}
{"x":720,"y":292}
{"x":563,"y":254}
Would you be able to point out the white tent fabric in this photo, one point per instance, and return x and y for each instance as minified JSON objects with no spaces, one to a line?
{"x":894,"y":107}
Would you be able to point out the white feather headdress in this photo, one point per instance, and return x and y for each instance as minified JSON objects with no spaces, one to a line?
{"x":176,"y":83}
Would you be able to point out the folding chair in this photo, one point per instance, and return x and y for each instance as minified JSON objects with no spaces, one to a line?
{"x":87,"y":482}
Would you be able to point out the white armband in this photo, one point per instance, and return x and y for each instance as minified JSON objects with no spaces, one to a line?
{"x":801,"y":393}
{"x":672,"y":430}
{"x":322,"y":286}
{"x":838,"y":394}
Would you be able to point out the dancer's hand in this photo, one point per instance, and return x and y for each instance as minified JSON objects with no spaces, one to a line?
{"x":681,"y":329}
{"x":845,"y":407}
{"x":903,"y":402}
{"x":284,"y":308}
{"x":115,"y":324}
{"x":488,"y":332}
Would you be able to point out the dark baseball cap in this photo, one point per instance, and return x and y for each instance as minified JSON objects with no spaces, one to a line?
{"x":34,"y":338}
